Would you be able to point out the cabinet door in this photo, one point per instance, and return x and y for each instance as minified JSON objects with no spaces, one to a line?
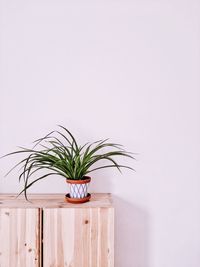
{"x":78,"y":237}
{"x":19,"y":237}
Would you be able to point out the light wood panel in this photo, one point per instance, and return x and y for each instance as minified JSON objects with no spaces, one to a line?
{"x":81,"y":237}
{"x":19,"y":237}
{"x":74,"y":235}
{"x":53,"y":201}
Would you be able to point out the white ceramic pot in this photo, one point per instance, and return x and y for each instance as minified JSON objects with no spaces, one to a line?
{"x":79,"y":188}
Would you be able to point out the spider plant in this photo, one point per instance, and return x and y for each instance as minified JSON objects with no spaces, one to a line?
{"x":59,"y":154}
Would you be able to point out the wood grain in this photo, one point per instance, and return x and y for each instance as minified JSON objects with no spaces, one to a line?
{"x":73,"y":235}
{"x":19,"y":237}
{"x":78,"y":237}
{"x":53,"y":201}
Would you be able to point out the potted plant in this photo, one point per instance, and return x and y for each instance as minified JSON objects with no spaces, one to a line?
{"x":59,"y":154}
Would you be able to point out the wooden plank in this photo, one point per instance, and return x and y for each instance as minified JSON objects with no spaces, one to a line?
{"x":81,"y":237}
{"x":53,"y":201}
{"x":19,"y":237}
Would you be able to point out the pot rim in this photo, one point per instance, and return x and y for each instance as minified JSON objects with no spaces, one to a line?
{"x":82,"y":181}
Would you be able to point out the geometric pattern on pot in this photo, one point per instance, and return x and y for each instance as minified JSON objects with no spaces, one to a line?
{"x":78,"y":190}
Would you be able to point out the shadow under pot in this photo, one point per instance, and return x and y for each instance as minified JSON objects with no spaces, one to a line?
{"x":78,"y":190}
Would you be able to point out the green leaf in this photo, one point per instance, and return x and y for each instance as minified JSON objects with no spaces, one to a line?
{"x":109,"y":166}
{"x":58,"y":152}
{"x":29,"y":185}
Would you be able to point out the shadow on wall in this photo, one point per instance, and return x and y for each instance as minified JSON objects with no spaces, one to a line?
{"x":131,"y":235}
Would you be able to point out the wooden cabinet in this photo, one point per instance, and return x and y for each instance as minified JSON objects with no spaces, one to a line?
{"x":48,"y":232}
{"x":19,"y":237}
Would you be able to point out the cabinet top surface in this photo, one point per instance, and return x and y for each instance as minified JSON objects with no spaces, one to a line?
{"x":53,"y":201}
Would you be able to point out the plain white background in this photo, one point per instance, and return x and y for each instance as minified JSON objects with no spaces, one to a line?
{"x":127,"y":70}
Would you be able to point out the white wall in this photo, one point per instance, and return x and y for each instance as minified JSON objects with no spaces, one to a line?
{"x":128,"y":70}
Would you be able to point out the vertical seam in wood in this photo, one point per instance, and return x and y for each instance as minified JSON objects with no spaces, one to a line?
{"x":40,"y":239}
{"x":98,"y":236}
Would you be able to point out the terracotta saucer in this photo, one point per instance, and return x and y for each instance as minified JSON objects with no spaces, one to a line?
{"x":77,"y":200}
